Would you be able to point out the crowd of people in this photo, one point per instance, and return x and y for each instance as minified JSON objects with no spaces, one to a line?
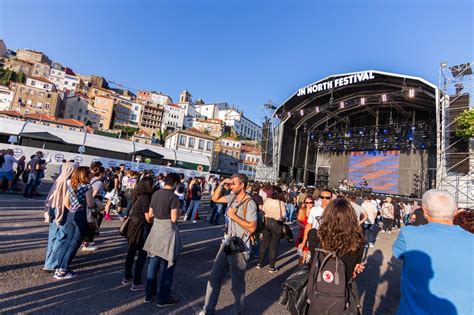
{"x":332,"y":226}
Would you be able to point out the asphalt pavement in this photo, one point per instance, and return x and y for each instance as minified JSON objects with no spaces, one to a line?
{"x":26,"y":288}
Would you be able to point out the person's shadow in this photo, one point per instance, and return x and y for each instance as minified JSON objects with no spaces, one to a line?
{"x":417,"y":287}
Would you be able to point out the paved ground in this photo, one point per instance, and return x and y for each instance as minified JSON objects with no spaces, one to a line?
{"x":25,"y":288}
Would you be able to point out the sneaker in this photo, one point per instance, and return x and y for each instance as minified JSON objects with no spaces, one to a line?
{"x":107,"y":217}
{"x":194,"y":221}
{"x":272,"y":270}
{"x":89,"y":248}
{"x":49,"y":270}
{"x":371,"y":245}
{"x":127,"y":281}
{"x":185,"y":218}
{"x":65,"y":275}
{"x":137,"y":287}
{"x":171,"y":301}
{"x":259,"y":266}
{"x":366,"y":245}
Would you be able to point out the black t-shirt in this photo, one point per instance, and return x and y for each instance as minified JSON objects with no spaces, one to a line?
{"x":420,"y":217}
{"x":196,"y":192}
{"x":162,"y":202}
{"x":141,"y":206}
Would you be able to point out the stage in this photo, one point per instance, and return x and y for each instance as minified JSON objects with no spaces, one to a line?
{"x":369,"y":125}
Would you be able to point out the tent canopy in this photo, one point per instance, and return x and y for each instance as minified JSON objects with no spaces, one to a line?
{"x":46,"y":136}
{"x":147,"y":153}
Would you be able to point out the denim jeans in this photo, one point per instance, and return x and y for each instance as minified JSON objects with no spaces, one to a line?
{"x":30,"y":185}
{"x":166,"y":279}
{"x":49,"y":261}
{"x":369,"y":233}
{"x":75,"y":229}
{"x":217,"y":211}
{"x":290,"y":209}
{"x":193,"y":208}
{"x":236,"y":264}
{"x":271,"y":239}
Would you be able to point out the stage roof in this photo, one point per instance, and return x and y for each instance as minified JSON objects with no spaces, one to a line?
{"x":356,"y":96}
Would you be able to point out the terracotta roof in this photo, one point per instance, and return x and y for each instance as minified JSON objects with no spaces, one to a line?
{"x":69,"y":71}
{"x":41,"y":79}
{"x":174,"y":105}
{"x":40,"y":117}
{"x":10,"y":113}
{"x":77,"y":94}
{"x":192,"y":132}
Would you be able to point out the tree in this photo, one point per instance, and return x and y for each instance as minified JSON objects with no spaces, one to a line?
{"x":465,"y":124}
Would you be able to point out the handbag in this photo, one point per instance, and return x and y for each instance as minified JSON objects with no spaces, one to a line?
{"x":286,"y":232}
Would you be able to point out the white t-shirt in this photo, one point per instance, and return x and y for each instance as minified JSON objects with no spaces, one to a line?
{"x":358,"y":210}
{"x":314,"y":218}
{"x":371,"y":210}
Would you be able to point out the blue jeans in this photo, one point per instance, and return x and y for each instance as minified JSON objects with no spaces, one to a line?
{"x":166,"y":279}
{"x":236,"y":264}
{"x":192,"y":209}
{"x":217,"y":212}
{"x":49,"y":261}
{"x":75,"y":229}
{"x":290,"y":209}
{"x":30,"y":185}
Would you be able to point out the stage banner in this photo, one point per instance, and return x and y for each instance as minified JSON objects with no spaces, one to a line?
{"x":379,"y":169}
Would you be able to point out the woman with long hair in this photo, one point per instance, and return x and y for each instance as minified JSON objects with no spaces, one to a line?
{"x":137,"y":232}
{"x":78,"y":219}
{"x":302,"y":220}
{"x":274,"y":211}
{"x":341,"y":233}
{"x":54,"y":214}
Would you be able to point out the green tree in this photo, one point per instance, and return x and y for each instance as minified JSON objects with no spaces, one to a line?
{"x":465,"y":124}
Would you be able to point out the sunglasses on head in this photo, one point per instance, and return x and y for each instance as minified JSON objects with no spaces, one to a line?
{"x":324,"y":197}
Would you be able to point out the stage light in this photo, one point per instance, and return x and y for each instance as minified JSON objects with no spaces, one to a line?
{"x":301,"y":112}
{"x":444,"y":64}
{"x":317,"y":109}
{"x":411,"y":93}
{"x":384,"y":98}
{"x":341,"y":104}
{"x":385,"y":131}
{"x":362,"y":101}
{"x":289,"y":114}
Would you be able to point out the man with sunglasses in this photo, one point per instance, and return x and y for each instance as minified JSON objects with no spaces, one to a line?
{"x":314,"y":218}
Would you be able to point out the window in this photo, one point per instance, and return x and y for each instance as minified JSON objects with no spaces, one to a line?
{"x":79,"y":118}
{"x":201,"y":144}
{"x":209,"y":146}
{"x":33,"y":82}
{"x":191,"y":142}
{"x":182,"y":140}
{"x":71,"y":116}
{"x":46,"y":86}
{"x":80,"y":110}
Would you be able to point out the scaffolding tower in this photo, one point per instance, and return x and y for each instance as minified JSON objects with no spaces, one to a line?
{"x":455,"y":155}
{"x":267,"y":167}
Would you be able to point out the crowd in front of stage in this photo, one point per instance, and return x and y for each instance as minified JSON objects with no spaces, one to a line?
{"x":435,"y":239}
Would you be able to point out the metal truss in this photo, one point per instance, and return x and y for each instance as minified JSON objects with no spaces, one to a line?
{"x":454,"y":82}
{"x":267,"y":167}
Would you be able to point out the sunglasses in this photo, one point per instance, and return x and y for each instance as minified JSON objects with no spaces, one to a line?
{"x":309,"y":203}
{"x":323,"y":197}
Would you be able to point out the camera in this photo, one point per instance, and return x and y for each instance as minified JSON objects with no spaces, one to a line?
{"x":234,"y":245}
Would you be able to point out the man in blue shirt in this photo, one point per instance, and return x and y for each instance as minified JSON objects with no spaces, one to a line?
{"x":438,"y":260}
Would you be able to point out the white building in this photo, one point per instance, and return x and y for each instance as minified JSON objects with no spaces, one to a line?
{"x":64,"y":79}
{"x":240,"y":124}
{"x":153,"y":97}
{"x":173,"y":117}
{"x":249,"y":157}
{"x":211,"y":110}
{"x":6,"y":97}
{"x":136,"y":113}
{"x":191,"y":140}
{"x":41,"y":83}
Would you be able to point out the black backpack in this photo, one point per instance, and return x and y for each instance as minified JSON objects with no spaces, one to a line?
{"x":329,"y":292}
{"x":2,"y":160}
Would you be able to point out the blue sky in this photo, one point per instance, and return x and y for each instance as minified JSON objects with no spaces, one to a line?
{"x":242,"y":52}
